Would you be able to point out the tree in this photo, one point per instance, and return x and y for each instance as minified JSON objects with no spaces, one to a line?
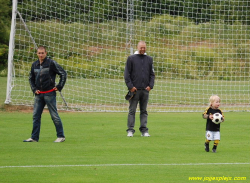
{"x":197,"y":10}
{"x":232,"y":11}
{"x":5,"y":22}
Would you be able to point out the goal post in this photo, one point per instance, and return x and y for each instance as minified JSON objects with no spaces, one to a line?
{"x":200,"y":48}
{"x":11,"y":53}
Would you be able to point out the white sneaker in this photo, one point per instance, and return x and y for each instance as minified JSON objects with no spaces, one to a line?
{"x":61,"y":139}
{"x":30,"y":140}
{"x":146,"y":134}
{"x":130,"y":134}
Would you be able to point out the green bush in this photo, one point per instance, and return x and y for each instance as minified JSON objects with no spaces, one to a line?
{"x":3,"y":55}
{"x":180,"y":48}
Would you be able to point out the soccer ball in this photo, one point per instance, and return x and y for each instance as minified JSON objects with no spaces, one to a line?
{"x":217,"y":118}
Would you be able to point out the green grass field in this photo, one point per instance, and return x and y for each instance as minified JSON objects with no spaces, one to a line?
{"x":167,"y":95}
{"x":97,"y":149}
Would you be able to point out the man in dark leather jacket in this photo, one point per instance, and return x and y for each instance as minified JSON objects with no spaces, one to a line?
{"x":42,"y":82}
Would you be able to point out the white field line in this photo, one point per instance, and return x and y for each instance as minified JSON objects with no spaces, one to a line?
{"x":105,"y":165}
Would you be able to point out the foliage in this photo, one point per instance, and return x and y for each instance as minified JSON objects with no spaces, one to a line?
{"x":4,"y":21}
{"x":86,"y":49}
{"x":3,"y":55}
{"x":4,"y":32}
{"x":199,"y":11}
{"x":89,"y":25}
{"x":231,"y":11}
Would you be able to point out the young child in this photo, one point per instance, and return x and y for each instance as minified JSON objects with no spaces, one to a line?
{"x":212,"y":129}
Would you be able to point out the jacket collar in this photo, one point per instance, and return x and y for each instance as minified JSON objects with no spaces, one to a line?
{"x":138,"y":53}
{"x":38,"y":62}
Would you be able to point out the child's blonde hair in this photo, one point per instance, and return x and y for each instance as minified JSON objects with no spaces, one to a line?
{"x":212,"y":99}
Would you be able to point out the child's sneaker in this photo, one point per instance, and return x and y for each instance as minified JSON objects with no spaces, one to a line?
{"x":206,"y":147}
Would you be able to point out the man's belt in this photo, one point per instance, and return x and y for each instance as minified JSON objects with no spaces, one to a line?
{"x":47,"y":91}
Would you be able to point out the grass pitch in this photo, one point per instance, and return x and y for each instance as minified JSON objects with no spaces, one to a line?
{"x":97,"y":149}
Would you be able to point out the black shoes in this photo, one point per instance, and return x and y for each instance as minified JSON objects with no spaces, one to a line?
{"x":214,"y":149}
{"x":206,"y":147}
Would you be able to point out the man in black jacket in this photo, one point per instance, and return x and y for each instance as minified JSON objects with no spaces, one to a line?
{"x":139,"y":77}
{"x":42,"y":82}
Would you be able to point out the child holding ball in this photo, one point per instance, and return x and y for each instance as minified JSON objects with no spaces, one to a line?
{"x":212,"y":129}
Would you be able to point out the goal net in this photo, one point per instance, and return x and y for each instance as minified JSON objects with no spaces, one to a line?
{"x":200,"y":48}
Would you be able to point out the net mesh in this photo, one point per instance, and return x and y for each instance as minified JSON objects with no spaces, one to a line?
{"x":198,"y":51}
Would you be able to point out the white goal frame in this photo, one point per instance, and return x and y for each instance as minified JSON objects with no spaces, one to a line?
{"x":181,"y":50}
